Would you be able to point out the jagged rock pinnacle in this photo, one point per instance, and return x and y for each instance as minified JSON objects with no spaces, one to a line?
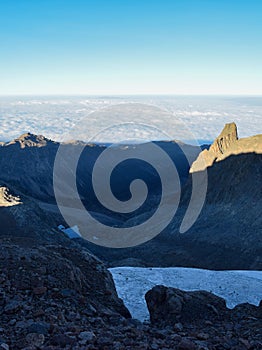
{"x":225,"y":139}
{"x":225,"y":145}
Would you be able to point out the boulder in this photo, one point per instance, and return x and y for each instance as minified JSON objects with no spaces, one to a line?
{"x":170,"y":305}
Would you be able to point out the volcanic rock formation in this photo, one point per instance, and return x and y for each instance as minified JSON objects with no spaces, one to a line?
{"x":225,"y":145}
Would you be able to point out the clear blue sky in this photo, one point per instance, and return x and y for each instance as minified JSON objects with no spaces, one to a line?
{"x":131,"y":47}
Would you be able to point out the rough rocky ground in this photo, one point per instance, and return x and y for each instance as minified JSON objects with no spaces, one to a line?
{"x":54,"y":294}
{"x":57,"y":297}
{"x":206,"y":317}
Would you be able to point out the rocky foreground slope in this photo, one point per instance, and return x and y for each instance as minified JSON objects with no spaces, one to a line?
{"x":54,"y":294}
{"x":61,"y":297}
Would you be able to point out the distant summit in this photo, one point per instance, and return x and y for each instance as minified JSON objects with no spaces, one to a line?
{"x":29,"y":140}
{"x":225,"y":145}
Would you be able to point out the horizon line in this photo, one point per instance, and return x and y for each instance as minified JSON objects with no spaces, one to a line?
{"x":130,"y":94}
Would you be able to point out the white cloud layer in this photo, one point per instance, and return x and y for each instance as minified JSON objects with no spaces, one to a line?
{"x":61,"y":118}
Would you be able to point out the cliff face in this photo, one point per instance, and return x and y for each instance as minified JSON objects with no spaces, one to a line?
{"x":225,"y":145}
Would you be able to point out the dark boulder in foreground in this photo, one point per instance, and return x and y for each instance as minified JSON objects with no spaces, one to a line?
{"x":203,"y":321}
{"x":171,"y":305}
{"x":168,"y":305}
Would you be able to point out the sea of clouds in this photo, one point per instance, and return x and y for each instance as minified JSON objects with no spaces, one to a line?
{"x":67,"y":118}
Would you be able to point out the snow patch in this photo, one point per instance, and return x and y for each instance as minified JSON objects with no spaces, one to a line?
{"x":71,"y":232}
{"x":235,"y":287}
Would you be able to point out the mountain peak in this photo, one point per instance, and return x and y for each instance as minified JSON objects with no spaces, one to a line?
{"x":226,"y":138}
{"x":30,"y":140}
{"x":225,"y":145}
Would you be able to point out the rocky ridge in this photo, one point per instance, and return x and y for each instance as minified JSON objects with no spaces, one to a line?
{"x":28,"y":140}
{"x":226,"y":145}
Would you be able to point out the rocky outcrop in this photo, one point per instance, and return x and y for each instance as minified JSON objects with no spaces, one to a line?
{"x":29,"y":140}
{"x":225,"y":145}
{"x":171,"y":305}
{"x":225,"y":140}
{"x":22,"y":220}
{"x":168,"y":305}
{"x":206,"y":316}
{"x":8,"y":199}
{"x":47,"y":289}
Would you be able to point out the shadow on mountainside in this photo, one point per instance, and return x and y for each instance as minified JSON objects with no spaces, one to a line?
{"x":227,"y":234}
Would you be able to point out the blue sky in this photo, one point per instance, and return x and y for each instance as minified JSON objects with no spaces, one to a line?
{"x":131,"y":47}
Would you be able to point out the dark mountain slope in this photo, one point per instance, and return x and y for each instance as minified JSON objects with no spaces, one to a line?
{"x":227,"y":234}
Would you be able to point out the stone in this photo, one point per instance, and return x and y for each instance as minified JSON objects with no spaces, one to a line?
{"x":35,"y":339}
{"x":39,"y":327}
{"x":202,"y":336}
{"x":87,"y":336}
{"x":168,"y":305}
{"x":62,"y":340}
{"x":186,"y":344}
{"x":39,"y":290}
{"x":12,"y":307}
{"x":4,"y":346}
{"x":178,"y":327}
